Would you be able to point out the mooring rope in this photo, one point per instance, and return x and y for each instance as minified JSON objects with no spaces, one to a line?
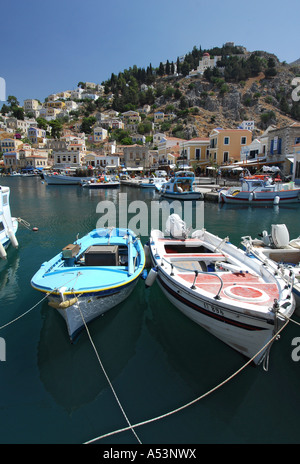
{"x":36,"y":304}
{"x":196,"y":399}
{"x":107,"y":378}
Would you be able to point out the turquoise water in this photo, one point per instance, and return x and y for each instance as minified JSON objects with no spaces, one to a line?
{"x":156,"y":358}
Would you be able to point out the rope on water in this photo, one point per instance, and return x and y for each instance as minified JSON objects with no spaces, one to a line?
{"x":36,"y":304}
{"x":196,"y":399}
{"x":107,"y":378}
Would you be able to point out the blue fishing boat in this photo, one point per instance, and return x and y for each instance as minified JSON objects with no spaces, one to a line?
{"x":92,"y":275}
{"x":8,"y":224}
{"x":180,"y":187}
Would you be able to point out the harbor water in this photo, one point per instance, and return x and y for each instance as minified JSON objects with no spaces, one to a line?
{"x":156,"y":359}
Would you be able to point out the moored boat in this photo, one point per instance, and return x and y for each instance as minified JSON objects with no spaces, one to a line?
{"x":92,"y":275}
{"x":62,"y":179}
{"x":153,"y":183}
{"x":219,"y":287}
{"x":180,"y":187}
{"x":101,"y":183}
{"x":280,"y":253}
{"x":8,"y":224}
{"x":261,"y":189}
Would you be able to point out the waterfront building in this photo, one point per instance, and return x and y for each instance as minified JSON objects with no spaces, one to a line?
{"x":136,"y":156}
{"x":194,"y":152}
{"x":226,"y":144}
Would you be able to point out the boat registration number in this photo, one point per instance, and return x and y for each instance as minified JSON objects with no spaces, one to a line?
{"x":213,"y":308}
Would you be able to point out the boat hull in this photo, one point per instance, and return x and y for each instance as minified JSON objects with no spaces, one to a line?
{"x":100,"y":185}
{"x":64,"y":180}
{"x":285,"y":196}
{"x":90,"y":307}
{"x":183,"y":196}
{"x":246,"y":335}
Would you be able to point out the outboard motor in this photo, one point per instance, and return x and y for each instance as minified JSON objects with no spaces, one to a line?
{"x":176,"y":227}
{"x":280,"y":235}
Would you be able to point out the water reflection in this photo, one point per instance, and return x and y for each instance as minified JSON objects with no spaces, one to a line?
{"x":71,"y":372}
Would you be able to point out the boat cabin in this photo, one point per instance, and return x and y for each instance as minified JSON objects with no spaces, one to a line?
{"x":182,"y":182}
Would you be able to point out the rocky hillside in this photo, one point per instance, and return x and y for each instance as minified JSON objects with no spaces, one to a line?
{"x":243,"y":86}
{"x":265,"y":100}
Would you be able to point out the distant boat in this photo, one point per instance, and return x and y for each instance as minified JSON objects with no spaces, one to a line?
{"x":63,"y":179}
{"x":153,"y":183}
{"x":8,"y":224}
{"x":219,"y":287}
{"x":92,"y":275}
{"x":101,"y":183}
{"x":180,"y":187}
{"x":261,"y":189}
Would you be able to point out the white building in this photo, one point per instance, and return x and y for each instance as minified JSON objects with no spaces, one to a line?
{"x":247,"y":125}
{"x":204,"y":63}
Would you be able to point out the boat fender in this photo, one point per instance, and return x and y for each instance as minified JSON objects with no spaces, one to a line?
{"x":251,"y":196}
{"x":35,"y":229}
{"x":3,"y":254}
{"x":276,"y":200}
{"x":151,"y":278}
{"x":147,"y":255}
{"x":13,"y":239}
{"x":63,"y":304}
{"x":144,"y":274}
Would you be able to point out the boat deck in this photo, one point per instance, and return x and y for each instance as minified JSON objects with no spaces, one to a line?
{"x":237,"y":286}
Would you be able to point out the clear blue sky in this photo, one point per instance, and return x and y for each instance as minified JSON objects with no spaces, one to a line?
{"x":47,"y":47}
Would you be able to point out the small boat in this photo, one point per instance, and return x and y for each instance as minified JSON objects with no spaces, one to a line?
{"x":218,"y":286}
{"x":101,"y":183}
{"x":153,"y":183}
{"x":261,"y":189}
{"x":180,"y":187}
{"x":62,"y":179}
{"x":8,"y":224}
{"x":280,"y":253}
{"x":92,"y":275}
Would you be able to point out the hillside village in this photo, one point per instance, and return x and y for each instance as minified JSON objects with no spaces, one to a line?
{"x":205,"y":111}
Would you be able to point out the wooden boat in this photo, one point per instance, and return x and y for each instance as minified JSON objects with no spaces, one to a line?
{"x":280,"y":253}
{"x":218,"y":286}
{"x":261,"y":189}
{"x":91,"y":276}
{"x":8,"y":224}
{"x":180,"y":187}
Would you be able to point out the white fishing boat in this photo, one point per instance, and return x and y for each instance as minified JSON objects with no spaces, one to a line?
{"x":214,"y":283}
{"x":91,"y":275}
{"x":63,"y":179}
{"x":280,"y":253}
{"x":8,"y":224}
{"x":180,"y":187}
{"x":153,"y":183}
{"x":261,"y":189}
